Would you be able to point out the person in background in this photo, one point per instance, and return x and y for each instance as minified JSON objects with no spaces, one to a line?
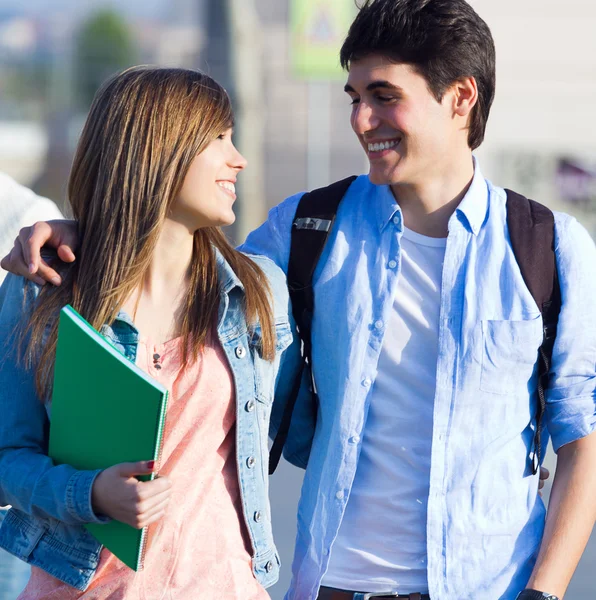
{"x":19,"y":206}
{"x":152,"y":182}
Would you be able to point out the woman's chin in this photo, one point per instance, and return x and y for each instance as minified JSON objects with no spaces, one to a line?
{"x":222,"y":220}
{"x":228,"y":220}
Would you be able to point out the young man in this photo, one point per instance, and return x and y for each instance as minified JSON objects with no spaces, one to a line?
{"x":425,"y":338}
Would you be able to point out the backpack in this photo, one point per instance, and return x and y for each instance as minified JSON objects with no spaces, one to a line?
{"x":531,"y":230}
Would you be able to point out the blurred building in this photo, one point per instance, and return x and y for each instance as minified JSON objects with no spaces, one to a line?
{"x":542,"y":120}
{"x":541,"y":123}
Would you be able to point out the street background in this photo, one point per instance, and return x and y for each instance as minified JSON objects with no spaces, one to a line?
{"x":276,"y":58}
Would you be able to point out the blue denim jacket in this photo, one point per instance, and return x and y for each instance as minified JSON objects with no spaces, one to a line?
{"x":51,"y":503}
{"x":484,"y":516}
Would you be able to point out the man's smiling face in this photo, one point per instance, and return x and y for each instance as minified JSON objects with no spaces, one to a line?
{"x":405,"y":132}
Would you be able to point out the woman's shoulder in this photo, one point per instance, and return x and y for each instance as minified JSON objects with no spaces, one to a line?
{"x":275,"y":276}
{"x":276,"y":279}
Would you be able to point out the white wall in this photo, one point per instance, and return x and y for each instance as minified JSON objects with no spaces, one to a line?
{"x":546,"y":73}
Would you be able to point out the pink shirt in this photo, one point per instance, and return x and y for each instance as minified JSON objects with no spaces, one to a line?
{"x":200,"y":549}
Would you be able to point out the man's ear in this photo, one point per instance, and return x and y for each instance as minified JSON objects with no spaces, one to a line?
{"x":465,"y":96}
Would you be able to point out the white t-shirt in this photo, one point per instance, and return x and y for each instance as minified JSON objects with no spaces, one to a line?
{"x":381,"y":544}
{"x":20,"y":206}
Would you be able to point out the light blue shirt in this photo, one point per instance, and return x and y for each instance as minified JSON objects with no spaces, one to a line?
{"x":485,"y":518}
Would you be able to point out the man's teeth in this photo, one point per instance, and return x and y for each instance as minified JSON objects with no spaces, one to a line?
{"x":382,"y":146}
{"x":227,"y":185}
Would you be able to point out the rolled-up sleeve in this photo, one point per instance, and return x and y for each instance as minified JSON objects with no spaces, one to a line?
{"x":571,"y":396}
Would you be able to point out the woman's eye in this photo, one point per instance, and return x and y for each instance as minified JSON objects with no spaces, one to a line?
{"x":355,"y":101}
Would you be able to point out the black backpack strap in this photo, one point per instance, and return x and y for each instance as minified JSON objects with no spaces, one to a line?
{"x":532,"y":233}
{"x":314,"y":218}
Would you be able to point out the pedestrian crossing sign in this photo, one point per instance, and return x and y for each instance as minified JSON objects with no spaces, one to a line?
{"x":317,"y":31}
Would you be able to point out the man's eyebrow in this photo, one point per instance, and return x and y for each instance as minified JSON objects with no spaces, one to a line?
{"x":374,"y":85}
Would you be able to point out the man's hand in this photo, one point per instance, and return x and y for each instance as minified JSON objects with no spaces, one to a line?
{"x":118,"y":494}
{"x":25,"y":257}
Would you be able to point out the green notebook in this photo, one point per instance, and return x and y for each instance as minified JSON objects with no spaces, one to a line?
{"x":105,"y":411}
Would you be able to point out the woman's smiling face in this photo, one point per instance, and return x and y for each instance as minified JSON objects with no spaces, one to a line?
{"x":208,"y":191}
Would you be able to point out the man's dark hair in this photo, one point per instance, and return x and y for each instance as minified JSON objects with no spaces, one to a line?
{"x":443,"y":40}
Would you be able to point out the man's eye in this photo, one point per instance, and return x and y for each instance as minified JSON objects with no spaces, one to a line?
{"x":355,"y":101}
{"x":386,"y":98}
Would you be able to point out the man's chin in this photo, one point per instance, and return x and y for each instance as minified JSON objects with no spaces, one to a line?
{"x":384,"y":177}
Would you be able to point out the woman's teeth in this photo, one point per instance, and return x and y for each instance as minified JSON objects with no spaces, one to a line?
{"x":227,"y":185}
{"x":382,"y":145}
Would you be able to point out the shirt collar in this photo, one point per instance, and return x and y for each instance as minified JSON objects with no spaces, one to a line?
{"x":475,"y":203}
{"x":387,"y":207}
{"x":473,"y":206}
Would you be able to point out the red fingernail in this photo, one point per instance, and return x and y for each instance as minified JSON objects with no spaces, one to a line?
{"x":151,"y":464}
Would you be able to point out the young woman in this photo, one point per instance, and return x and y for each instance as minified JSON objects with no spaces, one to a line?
{"x":151,"y":183}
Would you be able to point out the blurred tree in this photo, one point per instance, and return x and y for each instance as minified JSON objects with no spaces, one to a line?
{"x":103,"y":46}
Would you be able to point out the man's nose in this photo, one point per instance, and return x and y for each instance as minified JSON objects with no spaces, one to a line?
{"x":364,"y":119}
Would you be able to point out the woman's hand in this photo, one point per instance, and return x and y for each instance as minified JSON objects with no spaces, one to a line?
{"x":118,"y":494}
{"x":25,"y":257}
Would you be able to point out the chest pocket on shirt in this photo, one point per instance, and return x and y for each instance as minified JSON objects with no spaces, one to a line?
{"x":265,"y":371}
{"x":509,"y":354}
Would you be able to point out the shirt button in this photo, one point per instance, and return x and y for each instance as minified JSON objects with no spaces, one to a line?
{"x":340,"y":495}
{"x":157,"y":366}
{"x":251,"y":462}
{"x":366,"y":382}
{"x":392,"y":264}
{"x":269,"y":567}
{"x":250,"y":406}
{"x":379,"y":324}
{"x":240,"y":352}
{"x":257,"y":516}
{"x":156,"y":356}
{"x":326,"y":551}
{"x":396,"y":220}
{"x":354,"y":439}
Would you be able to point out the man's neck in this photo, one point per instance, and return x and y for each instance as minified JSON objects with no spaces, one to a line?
{"x":428,"y":206}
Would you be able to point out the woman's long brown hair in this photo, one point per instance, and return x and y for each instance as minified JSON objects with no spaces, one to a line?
{"x":144,"y":128}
